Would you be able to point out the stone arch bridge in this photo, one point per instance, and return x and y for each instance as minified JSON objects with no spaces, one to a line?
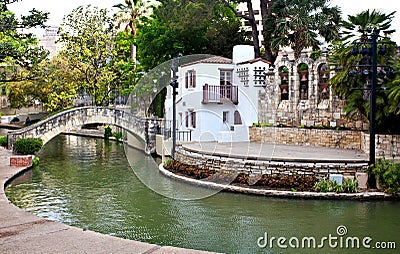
{"x":74,"y":119}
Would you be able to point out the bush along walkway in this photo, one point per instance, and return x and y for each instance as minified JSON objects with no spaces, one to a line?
{"x":292,"y":186}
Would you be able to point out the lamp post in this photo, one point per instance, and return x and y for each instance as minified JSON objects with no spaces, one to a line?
{"x":154,"y":97}
{"x":369,"y":69}
{"x":174,"y":84}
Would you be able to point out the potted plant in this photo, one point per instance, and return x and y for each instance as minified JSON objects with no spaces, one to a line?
{"x":303,"y":69}
{"x":324,"y":87}
{"x":284,"y":73}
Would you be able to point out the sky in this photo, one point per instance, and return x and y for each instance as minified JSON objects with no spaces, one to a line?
{"x":58,"y":8}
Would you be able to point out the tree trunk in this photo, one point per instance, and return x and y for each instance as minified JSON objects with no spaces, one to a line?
{"x":253,"y":24}
{"x":266,"y":10}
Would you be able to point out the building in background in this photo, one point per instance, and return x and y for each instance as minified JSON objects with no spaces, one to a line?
{"x":49,"y":39}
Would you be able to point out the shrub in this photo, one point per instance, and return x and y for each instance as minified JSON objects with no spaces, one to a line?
{"x":326,"y":185}
{"x":107,"y":132}
{"x":168,"y":162}
{"x":28,"y":145}
{"x":350,"y":186}
{"x":117,"y":135}
{"x":3,"y":141}
{"x":36,"y":161}
{"x":388,"y":175}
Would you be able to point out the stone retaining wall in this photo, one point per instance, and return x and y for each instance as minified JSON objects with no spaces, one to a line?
{"x":344,"y":139}
{"x":386,"y":146}
{"x":255,"y":167}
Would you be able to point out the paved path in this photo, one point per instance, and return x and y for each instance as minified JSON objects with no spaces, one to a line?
{"x":23,"y":232}
{"x":266,"y":151}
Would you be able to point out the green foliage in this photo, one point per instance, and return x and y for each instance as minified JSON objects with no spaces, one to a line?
{"x":117,"y":135}
{"x":357,"y":102}
{"x":28,"y":145}
{"x":168,"y":162}
{"x":188,"y":27}
{"x":285,"y":69}
{"x":388,"y":175}
{"x":19,"y":49}
{"x":303,"y":67}
{"x":3,"y":141}
{"x":350,"y":186}
{"x":20,"y":53}
{"x":262,"y":125}
{"x":88,"y":34}
{"x":299,"y":25}
{"x":326,"y":185}
{"x":107,"y":132}
{"x":36,"y":161}
{"x":315,"y":54}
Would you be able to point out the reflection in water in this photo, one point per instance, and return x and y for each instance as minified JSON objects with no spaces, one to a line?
{"x":87,"y":183}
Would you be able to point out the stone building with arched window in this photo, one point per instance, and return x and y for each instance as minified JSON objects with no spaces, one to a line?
{"x":297,"y":94}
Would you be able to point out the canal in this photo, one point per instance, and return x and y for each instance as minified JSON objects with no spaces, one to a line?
{"x":88,"y":183}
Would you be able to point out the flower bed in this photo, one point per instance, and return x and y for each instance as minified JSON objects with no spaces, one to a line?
{"x":275,"y":182}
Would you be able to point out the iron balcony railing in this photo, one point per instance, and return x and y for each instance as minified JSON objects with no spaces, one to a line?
{"x":220,"y":94}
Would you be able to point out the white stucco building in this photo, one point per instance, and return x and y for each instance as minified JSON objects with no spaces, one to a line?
{"x":218,"y":97}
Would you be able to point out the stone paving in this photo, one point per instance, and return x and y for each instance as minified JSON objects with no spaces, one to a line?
{"x":23,"y":232}
{"x":267,"y":151}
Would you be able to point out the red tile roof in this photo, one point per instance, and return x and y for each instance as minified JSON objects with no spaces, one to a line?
{"x":211,"y":60}
{"x":255,"y":60}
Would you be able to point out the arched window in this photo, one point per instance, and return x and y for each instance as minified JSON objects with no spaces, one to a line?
{"x":237,"y":118}
{"x":323,"y":77}
{"x":303,"y":76}
{"x":284,"y":86}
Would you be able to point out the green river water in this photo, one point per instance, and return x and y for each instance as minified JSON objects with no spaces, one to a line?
{"x":87,"y":183}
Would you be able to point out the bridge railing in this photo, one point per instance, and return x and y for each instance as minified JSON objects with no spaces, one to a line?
{"x":74,"y":119}
{"x":165,"y":129}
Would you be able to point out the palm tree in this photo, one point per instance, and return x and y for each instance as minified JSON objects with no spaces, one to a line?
{"x":357,"y":25}
{"x":128,"y":15}
{"x":357,"y":103}
{"x":298,"y":24}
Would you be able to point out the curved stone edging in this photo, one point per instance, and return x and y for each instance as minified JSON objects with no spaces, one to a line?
{"x":280,"y":193}
{"x":22,"y":232}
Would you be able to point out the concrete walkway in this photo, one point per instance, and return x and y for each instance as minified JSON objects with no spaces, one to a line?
{"x":274,"y":152}
{"x":23,"y":232}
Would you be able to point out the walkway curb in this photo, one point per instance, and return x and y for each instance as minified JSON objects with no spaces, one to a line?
{"x":280,"y":193}
{"x":23,"y":232}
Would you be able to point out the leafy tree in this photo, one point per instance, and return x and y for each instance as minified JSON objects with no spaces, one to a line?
{"x":19,"y":50}
{"x":123,"y":66}
{"x":188,"y":27}
{"x":357,"y":102}
{"x":55,"y":85}
{"x":87,"y":34}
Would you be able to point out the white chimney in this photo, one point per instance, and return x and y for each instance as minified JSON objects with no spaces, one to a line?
{"x":242,"y":53}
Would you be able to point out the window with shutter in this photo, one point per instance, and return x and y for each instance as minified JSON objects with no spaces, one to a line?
{"x":237,"y":118}
{"x":193,"y":119}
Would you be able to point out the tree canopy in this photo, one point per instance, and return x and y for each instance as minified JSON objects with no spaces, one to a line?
{"x":88,"y":34}
{"x":19,"y":50}
{"x":187,"y":27}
